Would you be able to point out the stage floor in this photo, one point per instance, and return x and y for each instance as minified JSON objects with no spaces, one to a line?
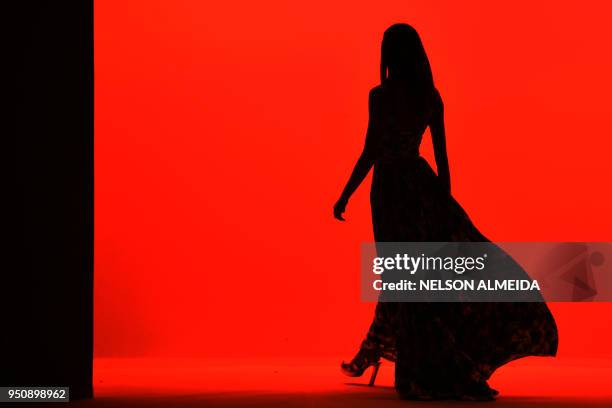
{"x":532,"y":382}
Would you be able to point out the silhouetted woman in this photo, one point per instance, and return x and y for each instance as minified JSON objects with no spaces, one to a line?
{"x":442,"y":350}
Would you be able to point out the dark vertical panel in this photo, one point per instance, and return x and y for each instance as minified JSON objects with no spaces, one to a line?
{"x":47,"y":282}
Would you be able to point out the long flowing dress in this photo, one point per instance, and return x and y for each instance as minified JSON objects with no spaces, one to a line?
{"x":437,"y":346}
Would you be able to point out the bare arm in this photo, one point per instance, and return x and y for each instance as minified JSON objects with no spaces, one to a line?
{"x":364,"y":163}
{"x":438,"y":137}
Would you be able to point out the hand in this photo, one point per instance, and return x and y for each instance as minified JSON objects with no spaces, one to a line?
{"x":339,"y":208}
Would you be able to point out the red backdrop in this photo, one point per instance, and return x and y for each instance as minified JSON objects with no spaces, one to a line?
{"x":225,"y":132}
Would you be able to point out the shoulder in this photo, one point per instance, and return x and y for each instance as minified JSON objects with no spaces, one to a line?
{"x":375,"y":95}
{"x":375,"y":92}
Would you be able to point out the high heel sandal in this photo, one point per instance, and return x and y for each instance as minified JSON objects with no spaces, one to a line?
{"x":478,"y":391}
{"x":362,"y":361}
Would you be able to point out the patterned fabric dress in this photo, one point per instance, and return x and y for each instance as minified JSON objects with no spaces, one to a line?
{"x":436,"y":346}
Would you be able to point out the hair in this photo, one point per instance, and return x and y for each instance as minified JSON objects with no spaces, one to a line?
{"x":402,"y":52}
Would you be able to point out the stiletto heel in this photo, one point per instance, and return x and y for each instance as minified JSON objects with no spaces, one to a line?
{"x":375,"y":368}
{"x":362,"y":361}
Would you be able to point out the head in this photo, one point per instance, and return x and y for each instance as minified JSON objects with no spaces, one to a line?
{"x":403,"y":56}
